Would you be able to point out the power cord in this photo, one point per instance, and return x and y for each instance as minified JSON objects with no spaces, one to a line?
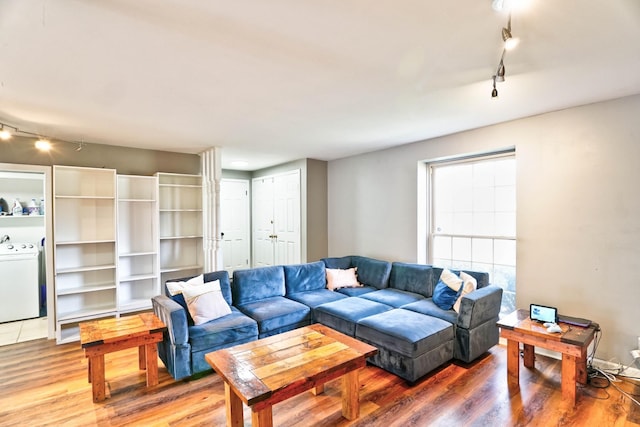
{"x":595,"y":374}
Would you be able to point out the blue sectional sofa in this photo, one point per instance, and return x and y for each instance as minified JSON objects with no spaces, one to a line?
{"x":392,"y":310}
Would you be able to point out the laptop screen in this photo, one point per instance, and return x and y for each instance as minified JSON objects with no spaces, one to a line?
{"x":542,"y":313}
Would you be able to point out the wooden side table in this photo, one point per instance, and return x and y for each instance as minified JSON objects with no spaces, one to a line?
{"x":99,"y":337}
{"x":572,"y":342}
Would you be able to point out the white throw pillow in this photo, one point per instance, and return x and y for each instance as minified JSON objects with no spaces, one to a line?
{"x":205,"y":302}
{"x":176,"y":288}
{"x":337,"y":278}
{"x":469,"y":284}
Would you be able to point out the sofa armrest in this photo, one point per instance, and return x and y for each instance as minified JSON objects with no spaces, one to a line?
{"x":480,"y":306}
{"x":174,"y":316}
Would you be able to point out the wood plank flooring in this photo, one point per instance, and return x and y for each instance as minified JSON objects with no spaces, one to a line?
{"x":45,"y":384}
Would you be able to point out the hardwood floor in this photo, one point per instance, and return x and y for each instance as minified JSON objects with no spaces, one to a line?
{"x":45,"y":384}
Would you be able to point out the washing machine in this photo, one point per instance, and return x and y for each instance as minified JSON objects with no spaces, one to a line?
{"x":19,"y":290}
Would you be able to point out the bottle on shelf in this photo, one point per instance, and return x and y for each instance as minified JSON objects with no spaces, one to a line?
{"x":17,"y":208}
{"x":33,"y":208}
{"x":41,"y":207}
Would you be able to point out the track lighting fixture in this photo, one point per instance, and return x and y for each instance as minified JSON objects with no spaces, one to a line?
{"x":494,"y":92}
{"x":42,"y":142}
{"x":509,"y":41}
{"x":5,"y":134}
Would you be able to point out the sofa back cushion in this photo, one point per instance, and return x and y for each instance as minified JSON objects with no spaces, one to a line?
{"x":416,"y":278}
{"x":256,"y":284}
{"x":372,"y":272}
{"x":304,"y":277}
{"x":341,"y":263}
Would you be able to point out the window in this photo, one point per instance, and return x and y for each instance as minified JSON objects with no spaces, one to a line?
{"x":473,"y":219}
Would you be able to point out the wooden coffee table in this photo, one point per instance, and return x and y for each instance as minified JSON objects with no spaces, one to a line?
{"x":572,"y":342}
{"x":267,"y":371}
{"x":99,"y":337}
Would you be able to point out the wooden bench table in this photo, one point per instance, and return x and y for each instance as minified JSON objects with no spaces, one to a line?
{"x":99,"y":337}
{"x":267,"y":371}
{"x":572,"y":342}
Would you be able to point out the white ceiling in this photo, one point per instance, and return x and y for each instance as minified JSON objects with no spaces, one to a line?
{"x":273,"y":81}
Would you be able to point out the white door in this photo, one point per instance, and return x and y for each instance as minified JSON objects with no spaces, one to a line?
{"x":262,"y":220}
{"x":276,"y":219}
{"x":287,"y":218}
{"x":234,"y":224}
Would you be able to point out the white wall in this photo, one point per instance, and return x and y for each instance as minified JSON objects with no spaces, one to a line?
{"x":578,"y":202}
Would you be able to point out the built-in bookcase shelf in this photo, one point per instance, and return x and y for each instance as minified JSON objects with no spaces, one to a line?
{"x":85,"y":247}
{"x":138,"y":265}
{"x":180,"y":225}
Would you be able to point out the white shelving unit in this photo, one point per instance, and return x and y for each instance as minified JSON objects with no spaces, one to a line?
{"x":138,"y":265}
{"x":85,"y":247}
{"x":180,"y":225}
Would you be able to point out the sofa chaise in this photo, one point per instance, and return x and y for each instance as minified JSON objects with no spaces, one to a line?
{"x":392,"y":308}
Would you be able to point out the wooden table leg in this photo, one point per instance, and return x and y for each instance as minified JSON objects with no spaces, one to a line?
{"x":151,"y":357}
{"x":351,"y":395}
{"x":142,"y":357}
{"x":529,"y":356}
{"x":513,"y":362}
{"x":569,"y":379}
{"x":263,"y":417}
{"x":581,"y":369}
{"x":233,"y":408}
{"x":96,"y":371}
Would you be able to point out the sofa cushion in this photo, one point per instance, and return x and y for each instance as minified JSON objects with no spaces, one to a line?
{"x":406,"y":332}
{"x":469,"y":284}
{"x":275,"y":313}
{"x":372,"y":272}
{"x":428,"y":307}
{"x":342,"y":315}
{"x":312,"y":299}
{"x":304,"y":277}
{"x":481,"y":277}
{"x":220,"y":332}
{"x":416,"y":278}
{"x":225,"y":283}
{"x":447,"y":290}
{"x":393,"y":297}
{"x":205,"y":302}
{"x":256,"y":284}
{"x":356,"y":292}
{"x":338,"y":278}
{"x":338,"y":262}
{"x":174,"y":288}
{"x":222,"y":276}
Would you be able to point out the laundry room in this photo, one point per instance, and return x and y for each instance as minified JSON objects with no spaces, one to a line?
{"x":22,"y":242}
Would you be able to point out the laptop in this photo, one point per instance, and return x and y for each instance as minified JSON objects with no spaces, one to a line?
{"x":576,"y":321}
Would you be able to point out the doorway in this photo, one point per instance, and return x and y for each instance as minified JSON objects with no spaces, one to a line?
{"x":235,"y":224}
{"x":276,"y":219}
{"x":31,"y":185}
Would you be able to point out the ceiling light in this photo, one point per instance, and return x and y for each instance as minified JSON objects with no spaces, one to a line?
{"x":494,"y":92}
{"x":4,"y":133}
{"x":43,"y":144}
{"x":497,"y":5}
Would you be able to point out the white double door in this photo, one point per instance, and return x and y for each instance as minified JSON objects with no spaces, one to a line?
{"x":276,"y":219}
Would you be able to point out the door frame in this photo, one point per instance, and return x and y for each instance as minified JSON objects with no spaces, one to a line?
{"x":48,"y":233}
